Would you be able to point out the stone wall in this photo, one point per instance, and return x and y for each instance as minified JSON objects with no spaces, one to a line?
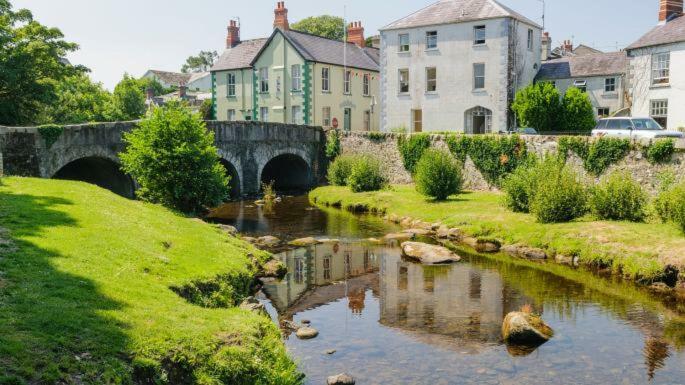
{"x":384,"y":146}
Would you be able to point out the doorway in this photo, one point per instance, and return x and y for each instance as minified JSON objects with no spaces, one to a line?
{"x":347,"y":121}
{"x":417,"y":120}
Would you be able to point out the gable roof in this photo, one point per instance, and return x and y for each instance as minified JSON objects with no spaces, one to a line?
{"x":240,"y":56}
{"x":583,"y":49}
{"x":457,"y":11}
{"x":322,"y":50}
{"x":670,"y":32}
{"x":173,"y":78}
{"x":612,"y":63}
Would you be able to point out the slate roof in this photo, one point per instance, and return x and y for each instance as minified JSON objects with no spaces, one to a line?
{"x":671,"y":32}
{"x":240,"y":56}
{"x":174,"y":78}
{"x":612,"y":63}
{"x":457,"y":11}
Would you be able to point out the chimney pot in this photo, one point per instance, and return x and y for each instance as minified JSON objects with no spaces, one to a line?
{"x":670,"y":8}
{"x":281,"y":16}
{"x":355,"y":34}
{"x":233,"y":35}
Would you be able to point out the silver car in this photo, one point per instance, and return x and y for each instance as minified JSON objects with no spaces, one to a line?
{"x":633,"y":128}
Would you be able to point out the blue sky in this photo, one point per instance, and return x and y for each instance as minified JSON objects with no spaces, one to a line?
{"x":118,"y":36}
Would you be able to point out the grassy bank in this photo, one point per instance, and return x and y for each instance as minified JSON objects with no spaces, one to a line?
{"x":86,"y":295}
{"x":638,"y":250}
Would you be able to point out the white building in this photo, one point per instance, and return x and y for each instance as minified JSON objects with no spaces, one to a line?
{"x":601,"y":75}
{"x":657,"y":68}
{"x":455,"y":66}
{"x":196,"y":81}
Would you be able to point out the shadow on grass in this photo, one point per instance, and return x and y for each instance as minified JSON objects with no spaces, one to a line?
{"x":52,"y":326}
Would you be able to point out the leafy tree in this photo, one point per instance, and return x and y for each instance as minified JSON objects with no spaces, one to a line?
{"x":578,"y":113}
{"x":31,"y":64}
{"x":206,"y":110}
{"x":172,"y":156}
{"x":331,"y":27}
{"x":128,"y":99}
{"x":538,"y":106}
{"x":157,"y":87}
{"x":200,"y":63}
{"x":79,"y":100}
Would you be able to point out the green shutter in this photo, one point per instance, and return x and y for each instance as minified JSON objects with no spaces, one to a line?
{"x":255,"y":87}
{"x":306,"y":89}
{"x":213,"y":113}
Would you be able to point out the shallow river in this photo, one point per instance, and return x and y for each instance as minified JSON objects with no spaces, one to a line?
{"x":394,"y":322}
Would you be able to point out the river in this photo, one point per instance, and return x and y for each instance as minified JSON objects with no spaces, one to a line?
{"x":391,"y":321}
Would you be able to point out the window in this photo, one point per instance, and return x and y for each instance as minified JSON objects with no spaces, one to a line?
{"x":325,"y":83}
{"x":278,"y":84}
{"x":264,"y":114}
{"x":404,"y":42}
{"x":659,"y":112}
{"x":432,"y":40}
{"x":581,"y":85}
{"x":479,"y":34}
{"x":530,"y":40}
{"x":366,"y":85}
{"x":231,"y":115}
{"x":367,"y":120}
{"x":231,"y":84}
{"x":327,"y":268}
{"x":404,"y":81}
{"x":299,"y":271}
{"x":479,"y":76}
{"x":347,"y":79}
{"x":431,"y":79}
{"x":610,"y":85}
{"x":326,"y":116}
{"x":264,"y":80}
{"x":661,"y":63}
{"x":295,"y":76}
{"x":603,"y":111}
{"x":296,"y":115}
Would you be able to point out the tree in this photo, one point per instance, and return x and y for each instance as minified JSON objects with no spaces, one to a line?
{"x":172,"y":156}
{"x":579,"y":115}
{"x":200,"y":63}
{"x":128,"y":99}
{"x":31,"y":63}
{"x":157,"y":87}
{"x":331,"y":27}
{"x":79,"y":100}
{"x":538,"y":105}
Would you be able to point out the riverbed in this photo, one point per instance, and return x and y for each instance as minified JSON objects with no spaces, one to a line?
{"x":385,"y":320}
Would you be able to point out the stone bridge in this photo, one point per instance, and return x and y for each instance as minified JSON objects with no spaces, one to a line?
{"x":251,"y":152}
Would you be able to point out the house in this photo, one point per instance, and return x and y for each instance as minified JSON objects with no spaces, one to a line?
{"x":197,"y":81}
{"x":657,"y":68}
{"x":298,"y":78}
{"x":456,"y":66}
{"x":601,"y":75}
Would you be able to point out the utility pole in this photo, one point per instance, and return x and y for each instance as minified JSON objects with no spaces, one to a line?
{"x":543,"y":14}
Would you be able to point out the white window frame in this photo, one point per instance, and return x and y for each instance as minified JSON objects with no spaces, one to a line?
{"x":482,"y":29}
{"x":230,"y":85}
{"x":326,"y":79}
{"x":610,"y":85}
{"x":403,"y":46}
{"x":530,"y":39}
{"x":658,"y":108}
{"x":661,"y":68}
{"x":602,"y":109}
{"x":263,"y":114}
{"x":295,"y":114}
{"x":433,"y":80}
{"x":366,"y":85}
{"x":347,"y":82}
{"x":230,"y":115}
{"x":264,"y":80}
{"x":296,"y":77}
{"x":580,"y":84}
{"x":400,"y":83}
{"x":431,"y":40}
{"x":326,"y":116}
{"x":476,"y":77}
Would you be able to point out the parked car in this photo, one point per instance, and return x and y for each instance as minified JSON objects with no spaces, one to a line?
{"x":521,"y":131}
{"x":633,"y":128}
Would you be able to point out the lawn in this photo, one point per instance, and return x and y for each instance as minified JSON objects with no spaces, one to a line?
{"x":85,"y":294}
{"x":638,"y":250}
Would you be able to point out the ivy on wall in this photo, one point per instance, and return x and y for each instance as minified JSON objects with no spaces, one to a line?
{"x":597,"y":155}
{"x":411,"y":149}
{"x":50,"y":133}
{"x":494,"y":156}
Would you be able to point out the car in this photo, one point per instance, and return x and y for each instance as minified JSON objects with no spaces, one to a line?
{"x":521,"y":131}
{"x":633,"y":128}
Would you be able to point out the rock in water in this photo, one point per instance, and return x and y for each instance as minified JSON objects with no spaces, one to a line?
{"x":340,"y":379}
{"x":303,"y":242}
{"x":252,"y":304}
{"x":268,"y":241}
{"x":428,"y":254}
{"x":305,"y":333}
{"x":525,"y":329}
{"x":398,"y":237}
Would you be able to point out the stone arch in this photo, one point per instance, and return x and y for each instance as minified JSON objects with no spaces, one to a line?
{"x":100,"y":171}
{"x":289,"y":170}
{"x":478,"y":120}
{"x":234,"y":186}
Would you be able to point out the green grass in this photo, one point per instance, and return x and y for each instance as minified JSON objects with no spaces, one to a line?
{"x":85,"y":294}
{"x":637,"y":250}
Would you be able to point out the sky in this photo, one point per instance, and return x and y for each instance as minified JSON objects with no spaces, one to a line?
{"x":118,"y":36}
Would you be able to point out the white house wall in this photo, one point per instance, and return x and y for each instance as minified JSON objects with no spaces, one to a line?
{"x":599,"y":98}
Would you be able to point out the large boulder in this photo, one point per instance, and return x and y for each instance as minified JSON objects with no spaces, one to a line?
{"x":340,"y":379}
{"x":525,"y":329}
{"x":398,"y":237}
{"x":418,"y":232}
{"x":525,"y":252}
{"x":428,"y":254}
{"x":306,"y":333}
{"x":268,"y":241}
{"x":304,"y":242}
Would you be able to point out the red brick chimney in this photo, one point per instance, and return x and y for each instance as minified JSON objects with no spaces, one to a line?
{"x":281,"y":16}
{"x":355,"y":34}
{"x":668,"y":8}
{"x":568,"y":46}
{"x":233,"y":36}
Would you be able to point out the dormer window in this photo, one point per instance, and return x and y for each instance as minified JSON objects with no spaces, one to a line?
{"x":479,"y":35}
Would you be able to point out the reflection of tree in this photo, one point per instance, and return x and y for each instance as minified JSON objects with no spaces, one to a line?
{"x":656,"y":352}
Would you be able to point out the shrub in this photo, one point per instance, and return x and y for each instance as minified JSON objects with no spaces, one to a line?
{"x":670,"y":204}
{"x":618,"y":197}
{"x":332,"y":144}
{"x":660,"y":151}
{"x":539,"y":106}
{"x":519,"y":186}
{"x":339,"y":170}
{"x":366,"y":175}
{"x":578,"y":113}
{"x":438,"y":174}
{"x":494,"y":156}
{"x":559,"y":195}
{"x":411,"y":148}
{"x":172,"y":156}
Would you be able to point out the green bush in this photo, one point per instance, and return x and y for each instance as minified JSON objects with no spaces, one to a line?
{"x":366,"y":175}
{"x":660,"y":151}
{"x":494,"y":156}
{"x":578,"y":113}
{"x":597,"y":155}
{"x":332,"y":144}
{"x":539,"y":106}
{"x":618,"y":197}
{"x":670,"y":204}
{"x":559,"y":195}
{"x":172,"y":156}
{"x":438,"y":174}
{"x":411,"y":148}
{"x":520,"y":186}
{"x":339,"y":170}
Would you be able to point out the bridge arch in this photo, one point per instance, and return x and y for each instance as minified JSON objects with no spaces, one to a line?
{"x":234,"y":185}
{"x":289,"y":170}
{"x":100,"y":171}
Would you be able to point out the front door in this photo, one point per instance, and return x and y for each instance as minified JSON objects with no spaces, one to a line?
{"x":417,"y":120}
{"x":478,"y":124}
{"x":347,"y":121}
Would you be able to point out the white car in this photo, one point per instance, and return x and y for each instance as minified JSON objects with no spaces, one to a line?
{"x":633,"y":128}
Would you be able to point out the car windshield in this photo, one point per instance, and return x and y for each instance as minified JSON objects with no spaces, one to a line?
{"x":646,"y":124}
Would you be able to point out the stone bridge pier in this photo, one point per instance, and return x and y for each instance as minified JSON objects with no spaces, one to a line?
{"x":253,"y":153}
